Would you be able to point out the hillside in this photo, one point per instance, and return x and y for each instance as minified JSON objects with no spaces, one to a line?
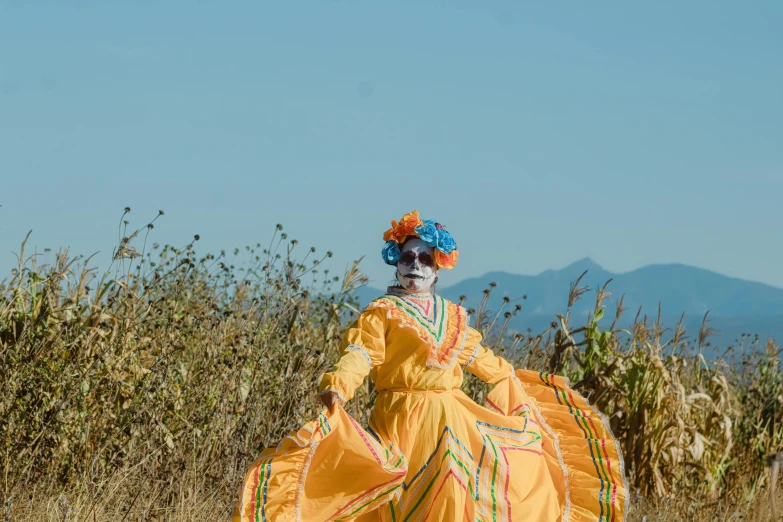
{"x":736,"y":306}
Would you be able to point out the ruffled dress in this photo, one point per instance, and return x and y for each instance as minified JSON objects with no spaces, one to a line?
{"x":536,"y":450}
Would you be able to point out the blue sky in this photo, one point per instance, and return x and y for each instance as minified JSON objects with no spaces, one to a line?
{"x":539,"y":133}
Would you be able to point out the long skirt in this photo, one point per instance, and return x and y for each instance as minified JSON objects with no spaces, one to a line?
{"x":536,"y":451}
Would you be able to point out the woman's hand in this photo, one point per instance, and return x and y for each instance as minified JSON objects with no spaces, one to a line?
{"x":329,"y":399}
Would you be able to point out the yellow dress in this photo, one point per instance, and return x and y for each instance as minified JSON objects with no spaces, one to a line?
{"x":536,"y":451}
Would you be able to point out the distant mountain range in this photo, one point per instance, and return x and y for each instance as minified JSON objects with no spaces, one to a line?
{"x":736,"y":306}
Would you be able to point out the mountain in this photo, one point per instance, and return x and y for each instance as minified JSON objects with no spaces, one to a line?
{"x":735,"y":306}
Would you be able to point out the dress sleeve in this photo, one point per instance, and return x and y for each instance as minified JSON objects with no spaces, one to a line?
{"x":482,"y":362}
{"x":363,"y":347}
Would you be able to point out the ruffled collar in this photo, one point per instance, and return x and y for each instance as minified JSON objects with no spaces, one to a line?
{"x":440,"y":324}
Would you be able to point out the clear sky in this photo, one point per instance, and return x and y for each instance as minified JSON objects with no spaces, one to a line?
{"x":538,"y":133}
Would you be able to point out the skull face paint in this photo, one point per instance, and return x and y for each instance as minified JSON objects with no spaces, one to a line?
{"x":416,"y":268}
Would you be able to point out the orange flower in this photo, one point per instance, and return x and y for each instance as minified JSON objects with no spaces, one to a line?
{"x":399,"y":231}
{"x":447,"y":261}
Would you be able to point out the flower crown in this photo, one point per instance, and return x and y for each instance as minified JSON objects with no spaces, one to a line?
{"x":432,"y":233}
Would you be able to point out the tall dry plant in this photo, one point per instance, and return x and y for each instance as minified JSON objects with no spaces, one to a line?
{"x":167,"y":366}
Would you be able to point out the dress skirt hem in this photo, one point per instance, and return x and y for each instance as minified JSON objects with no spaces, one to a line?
{"x":333,"y":469}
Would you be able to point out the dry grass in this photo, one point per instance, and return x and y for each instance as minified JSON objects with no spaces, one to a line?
{"x":145,"y":392}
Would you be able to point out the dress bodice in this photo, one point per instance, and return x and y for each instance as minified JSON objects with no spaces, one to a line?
{"x":409,"y":341}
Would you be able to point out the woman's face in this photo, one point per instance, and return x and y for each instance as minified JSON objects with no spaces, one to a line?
{"x":416,"y":268}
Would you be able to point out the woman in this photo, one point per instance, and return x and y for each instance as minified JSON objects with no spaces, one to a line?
{"x":536,"y":452}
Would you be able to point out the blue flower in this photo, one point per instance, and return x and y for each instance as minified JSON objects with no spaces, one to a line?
{"x":391,"y":252}
{"x":428,"y":232}
{"x":446,"y":243}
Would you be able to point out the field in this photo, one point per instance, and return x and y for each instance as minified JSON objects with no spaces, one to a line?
{"x":144,"y":391}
